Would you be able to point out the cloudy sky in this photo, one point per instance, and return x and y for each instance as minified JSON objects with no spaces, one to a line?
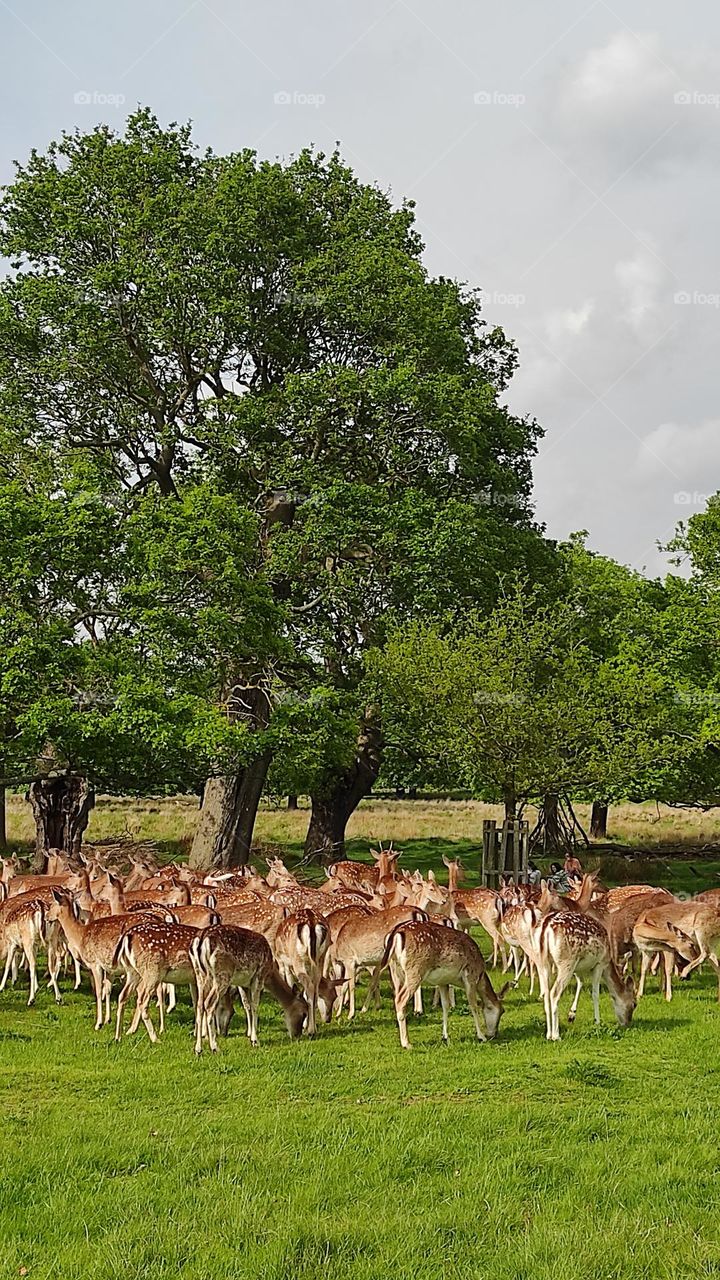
{"x":563,"y":157}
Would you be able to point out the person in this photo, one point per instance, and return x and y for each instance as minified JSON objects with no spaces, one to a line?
{"x":558,"y":879}
{"x":573,"y":867}
{"x":534,"y":874}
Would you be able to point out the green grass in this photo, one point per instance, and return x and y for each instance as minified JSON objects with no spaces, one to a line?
{"x":349,"y":1159}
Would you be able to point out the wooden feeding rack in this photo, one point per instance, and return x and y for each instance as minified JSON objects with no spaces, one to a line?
{"x":505,"y":851}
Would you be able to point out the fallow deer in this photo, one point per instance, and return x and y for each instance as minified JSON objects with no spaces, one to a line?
{"x":228,"y":956}
{"x":300,"y":947}
{"x":569,"y":944}
{"x":424,"y":954}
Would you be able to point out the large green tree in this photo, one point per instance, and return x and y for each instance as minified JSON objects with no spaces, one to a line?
{"x":266,"y":334}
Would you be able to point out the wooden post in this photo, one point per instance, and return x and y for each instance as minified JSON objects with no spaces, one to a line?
{"x":488,"y":871}
{"x":524,"y":835}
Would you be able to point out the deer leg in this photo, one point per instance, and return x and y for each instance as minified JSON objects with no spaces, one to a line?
{"x":171,"y":995}
{"x":445,"y":1002}
{"x":30,"y":957}
{"x":402,"y":996}
{"x":695,"y":964}
{"x":668,"y":966}
{"x":123,"y":997}
{"x":555,"y":996}
{"x":417,"y":1003}
{"x":373,"y":991}
{"x":351,"y":972}
{"x":471,"y":994}
{"x":310,"y":993}
{"x":8,"y":965}
{"x":597,"y":974}
{"x":644,"y":966}
{"x":573,"y":1007}
{"x":253,"y":1002}
{"x":143,"y":1011}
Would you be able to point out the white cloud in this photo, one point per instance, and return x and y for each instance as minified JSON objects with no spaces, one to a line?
{"x":690,"y":452}
{"x":568,"y":323}
{"x":615,"y":107}
{"x":644,"y":288}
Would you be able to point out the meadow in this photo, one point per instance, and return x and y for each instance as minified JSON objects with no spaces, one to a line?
{"x":349,"y":1158}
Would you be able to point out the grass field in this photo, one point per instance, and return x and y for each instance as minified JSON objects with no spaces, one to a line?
{"x":349,"y":1159}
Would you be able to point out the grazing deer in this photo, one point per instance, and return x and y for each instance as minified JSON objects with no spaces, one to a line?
{"x":688,"y":929}
{"x":621,"y":922}
{"x":423,"y":954}
{"x":569,"y":944}
{"x":300,"y":947}
{"x":228,"y":956}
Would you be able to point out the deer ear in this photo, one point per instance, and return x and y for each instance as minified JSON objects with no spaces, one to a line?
{"x":446,"y":861}
{"x":374,"y":854}
{"x":504,"y":990}
{"x":431,"y":876}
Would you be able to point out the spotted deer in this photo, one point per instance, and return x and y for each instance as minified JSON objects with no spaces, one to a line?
{"x":422,"y":954}
{"x":568,"y":944}
{"x":300,"y":947}
{"x":228,"y":956}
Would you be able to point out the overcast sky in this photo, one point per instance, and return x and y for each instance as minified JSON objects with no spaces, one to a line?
{"x":563,"y":157}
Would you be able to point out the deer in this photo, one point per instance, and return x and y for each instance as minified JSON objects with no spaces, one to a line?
{"x":360,"y":875}
{"x":262,"y":917}
{"x":360,"y":944}
{"x":621,"y":922}
{"x":300,"y":947}
{"x":152,"y":955}
{"x":227,"y":956}
{"x":617,"y":897}
{"x":688,"y":929}
{"x":93,"y":945}
{"x":420,"y":953}
{"x":569,"y":944}
{"x":22,"y":930}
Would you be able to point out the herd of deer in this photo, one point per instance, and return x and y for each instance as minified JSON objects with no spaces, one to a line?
{"x":306,"y":945}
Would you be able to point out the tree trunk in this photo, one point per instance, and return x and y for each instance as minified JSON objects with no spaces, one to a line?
{"x":3,"y":815}
{"x":229,"y":805}
{"x":332,"y":807}
{"x":510,"y":801}
{"x":61,"y":808}
{"x":598,"y":820}
{"x":292,"y":802}
{"x":552,"y":839}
